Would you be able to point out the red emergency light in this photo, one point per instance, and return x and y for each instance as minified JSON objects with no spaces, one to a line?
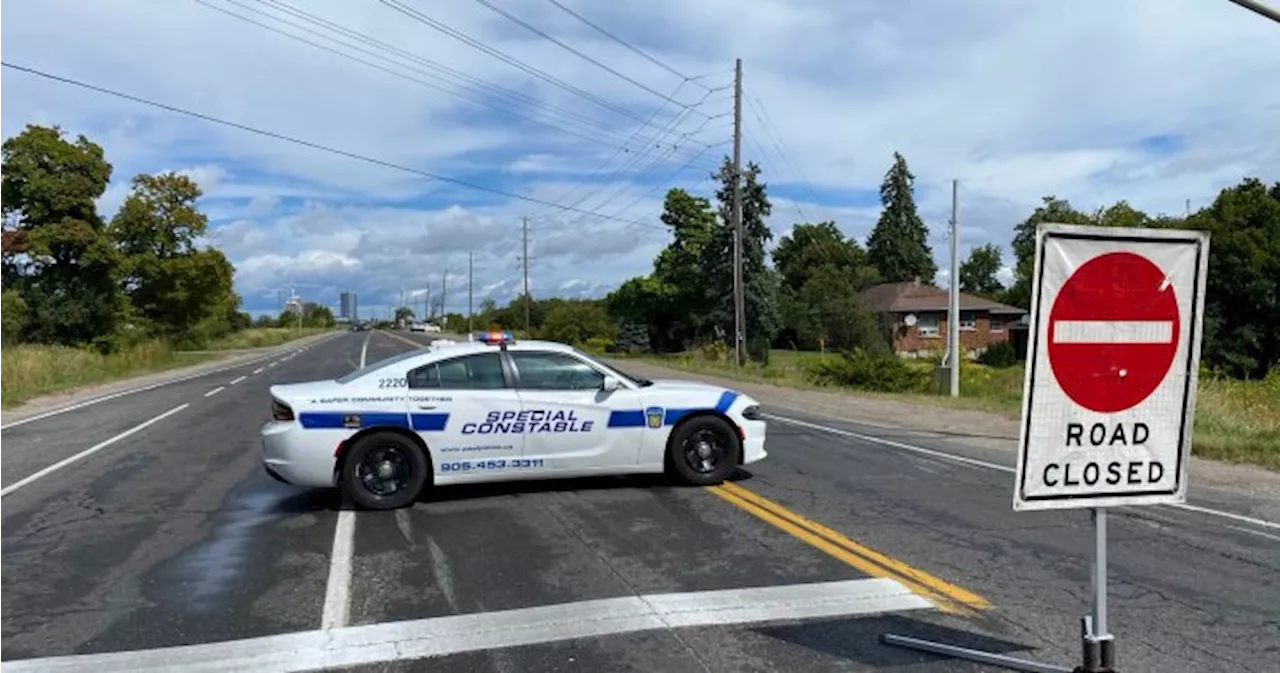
{"x":493,"y":338}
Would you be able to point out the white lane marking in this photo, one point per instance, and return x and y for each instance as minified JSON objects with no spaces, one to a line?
{"x":273,"y":364}
{"x":215,"y":391}
{"x":1259,"y":533}
{"x":258,"y":370}
{"x":337,"y":594}
{"x":1112,"y":331}
{"x":134,"y":391}
{"x":90,"y":451}
{"x":442,"y":636}
{"x":237,"y":380}
{"x":994,"y":466}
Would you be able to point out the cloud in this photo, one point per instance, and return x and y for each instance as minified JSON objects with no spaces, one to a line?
{"x":1081,"y":100}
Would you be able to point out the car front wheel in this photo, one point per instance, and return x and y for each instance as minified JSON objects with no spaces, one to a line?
{"x":703,"y":451}
{"x":384,"y":471}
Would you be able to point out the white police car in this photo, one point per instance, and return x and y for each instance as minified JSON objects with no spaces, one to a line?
{"x":494,"y":409}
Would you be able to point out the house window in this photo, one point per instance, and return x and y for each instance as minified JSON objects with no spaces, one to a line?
{"x":968,"y":321}
{"x":997,"y":324}
{"x":927,"y":325}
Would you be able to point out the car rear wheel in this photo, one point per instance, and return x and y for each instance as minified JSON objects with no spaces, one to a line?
{"x":703,"y":451}
{"x":384,"y":471}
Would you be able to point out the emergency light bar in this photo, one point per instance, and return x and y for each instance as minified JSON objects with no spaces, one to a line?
{"x":493,"y":338}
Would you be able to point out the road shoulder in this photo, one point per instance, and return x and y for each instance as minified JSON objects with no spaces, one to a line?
{"x":958,"y":426}
{"x":73,"y":396}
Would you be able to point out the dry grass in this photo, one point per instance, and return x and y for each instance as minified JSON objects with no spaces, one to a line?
{"x":28,"y":370}
{"x":1236,"y":421}
{"x":259,"y":337}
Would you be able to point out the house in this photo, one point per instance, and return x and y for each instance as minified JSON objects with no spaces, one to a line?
{"x":915,"y":314}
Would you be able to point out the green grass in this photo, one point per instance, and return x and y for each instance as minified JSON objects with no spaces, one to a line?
{"x":29,"y":370}
{"x":1236,"y":421}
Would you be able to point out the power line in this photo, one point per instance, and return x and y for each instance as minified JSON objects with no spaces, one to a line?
{"x":775,"y":135}
{"x":312,"y":145}
{"x":626,"y":44}
{"x":635,"y":158}
{"x":535,"y":30}
{"x":510,"y":60}
{"x":596,"y":136}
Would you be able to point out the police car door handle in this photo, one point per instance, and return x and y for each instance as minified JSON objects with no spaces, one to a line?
{"x":426,"y":406}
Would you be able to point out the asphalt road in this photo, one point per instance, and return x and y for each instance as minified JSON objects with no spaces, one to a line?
{"x":174,"y":536}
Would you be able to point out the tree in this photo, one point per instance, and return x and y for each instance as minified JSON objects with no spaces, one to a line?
{"x":1243,"y":287}
{"x":759,"y":284}
{"x":978,"y":272}
{"x":403,"y":314}
{"x":57,"y":254}
{"x":811,"y":247}
{"x":829,"y":309}
{"x":14,"y":314}
{"x":1051,"y":209}
{"x":680,"y":271}
{"x":173,"y":286}
{"x":899,"y":244}
{"x":647,"y":302}
{"x":577,"y":323}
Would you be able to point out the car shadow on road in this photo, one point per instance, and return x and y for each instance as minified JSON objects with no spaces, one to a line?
{"x":858,"y":639}
{"x":655,"y":482}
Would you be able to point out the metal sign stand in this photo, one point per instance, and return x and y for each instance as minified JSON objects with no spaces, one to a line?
{"x":1098,"y":644}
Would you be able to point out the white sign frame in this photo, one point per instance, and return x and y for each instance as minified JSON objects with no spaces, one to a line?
{"x":1089,"y":242}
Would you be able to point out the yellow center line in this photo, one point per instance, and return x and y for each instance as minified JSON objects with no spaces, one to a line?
{"x":405,"y":339}
{"x":948,"y":597}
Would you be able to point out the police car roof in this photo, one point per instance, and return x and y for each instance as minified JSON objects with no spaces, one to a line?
{"x":517,"y":345}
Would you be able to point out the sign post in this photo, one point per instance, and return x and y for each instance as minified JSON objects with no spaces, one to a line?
{"x":1109,"y":393}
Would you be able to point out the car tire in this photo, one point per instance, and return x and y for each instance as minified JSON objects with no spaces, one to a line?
{"x":384,"y":470}
{"x":703,"y":451}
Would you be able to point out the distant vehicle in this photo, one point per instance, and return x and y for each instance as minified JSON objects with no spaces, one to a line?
{"x":417,"y":327}
{"x":495,"y":409}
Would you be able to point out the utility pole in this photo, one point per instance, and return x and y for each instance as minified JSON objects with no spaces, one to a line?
{"x":470,"y":287}
{"x":953,"y":314}
{"x":525,"y":262}
{"x":739,"y":298}
{"x":444,"y":284}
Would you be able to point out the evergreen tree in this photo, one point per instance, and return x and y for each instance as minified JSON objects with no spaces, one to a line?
{"x":760,"y":286}
{"x":899,"y":244}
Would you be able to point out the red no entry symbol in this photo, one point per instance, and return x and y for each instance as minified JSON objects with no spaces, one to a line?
{"x":1113,"y":332}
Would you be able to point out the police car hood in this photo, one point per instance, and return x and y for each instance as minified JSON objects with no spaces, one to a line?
{"x":680,"y":384}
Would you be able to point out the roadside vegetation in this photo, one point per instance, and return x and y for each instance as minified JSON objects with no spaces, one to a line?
{"x":87,"y":298}
{"x":807,"y":324}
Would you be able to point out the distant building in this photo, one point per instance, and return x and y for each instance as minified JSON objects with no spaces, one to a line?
{"x":916,"y":316}
{"x":344,"y":305}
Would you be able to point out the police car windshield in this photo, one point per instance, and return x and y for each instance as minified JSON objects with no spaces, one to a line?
{"x":634,"y":379}
{"x":383,"y":363}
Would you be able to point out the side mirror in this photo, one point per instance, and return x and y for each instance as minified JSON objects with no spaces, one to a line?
{"x":610,"y":384}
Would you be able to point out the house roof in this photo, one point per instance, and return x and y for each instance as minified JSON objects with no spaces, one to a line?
{"x":909,"y":297}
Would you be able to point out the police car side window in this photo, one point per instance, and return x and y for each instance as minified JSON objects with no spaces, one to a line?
{"x":470,"y":372}
{"x":553,"y":371}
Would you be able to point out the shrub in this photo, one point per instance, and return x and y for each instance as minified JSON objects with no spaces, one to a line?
{"x":1000,"y":354}
{"x":14,"y":311}
{"x":862,"y":370}
{"x":633,"y":338}
{"x":715,"y":351}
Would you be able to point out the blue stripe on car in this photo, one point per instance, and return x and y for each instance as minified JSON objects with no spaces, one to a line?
{"x":626,"y":418}
{"x":333,"y":420}
{"x":634,"y":418}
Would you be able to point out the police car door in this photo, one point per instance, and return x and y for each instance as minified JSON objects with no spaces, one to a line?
{"x":457,"y":405}
{"x":567,"y":412}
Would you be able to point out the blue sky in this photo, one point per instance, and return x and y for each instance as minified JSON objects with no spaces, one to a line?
{"x":1085,"y":100}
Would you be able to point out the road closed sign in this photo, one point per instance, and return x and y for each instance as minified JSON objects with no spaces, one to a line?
{"x":1112,"y":359}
